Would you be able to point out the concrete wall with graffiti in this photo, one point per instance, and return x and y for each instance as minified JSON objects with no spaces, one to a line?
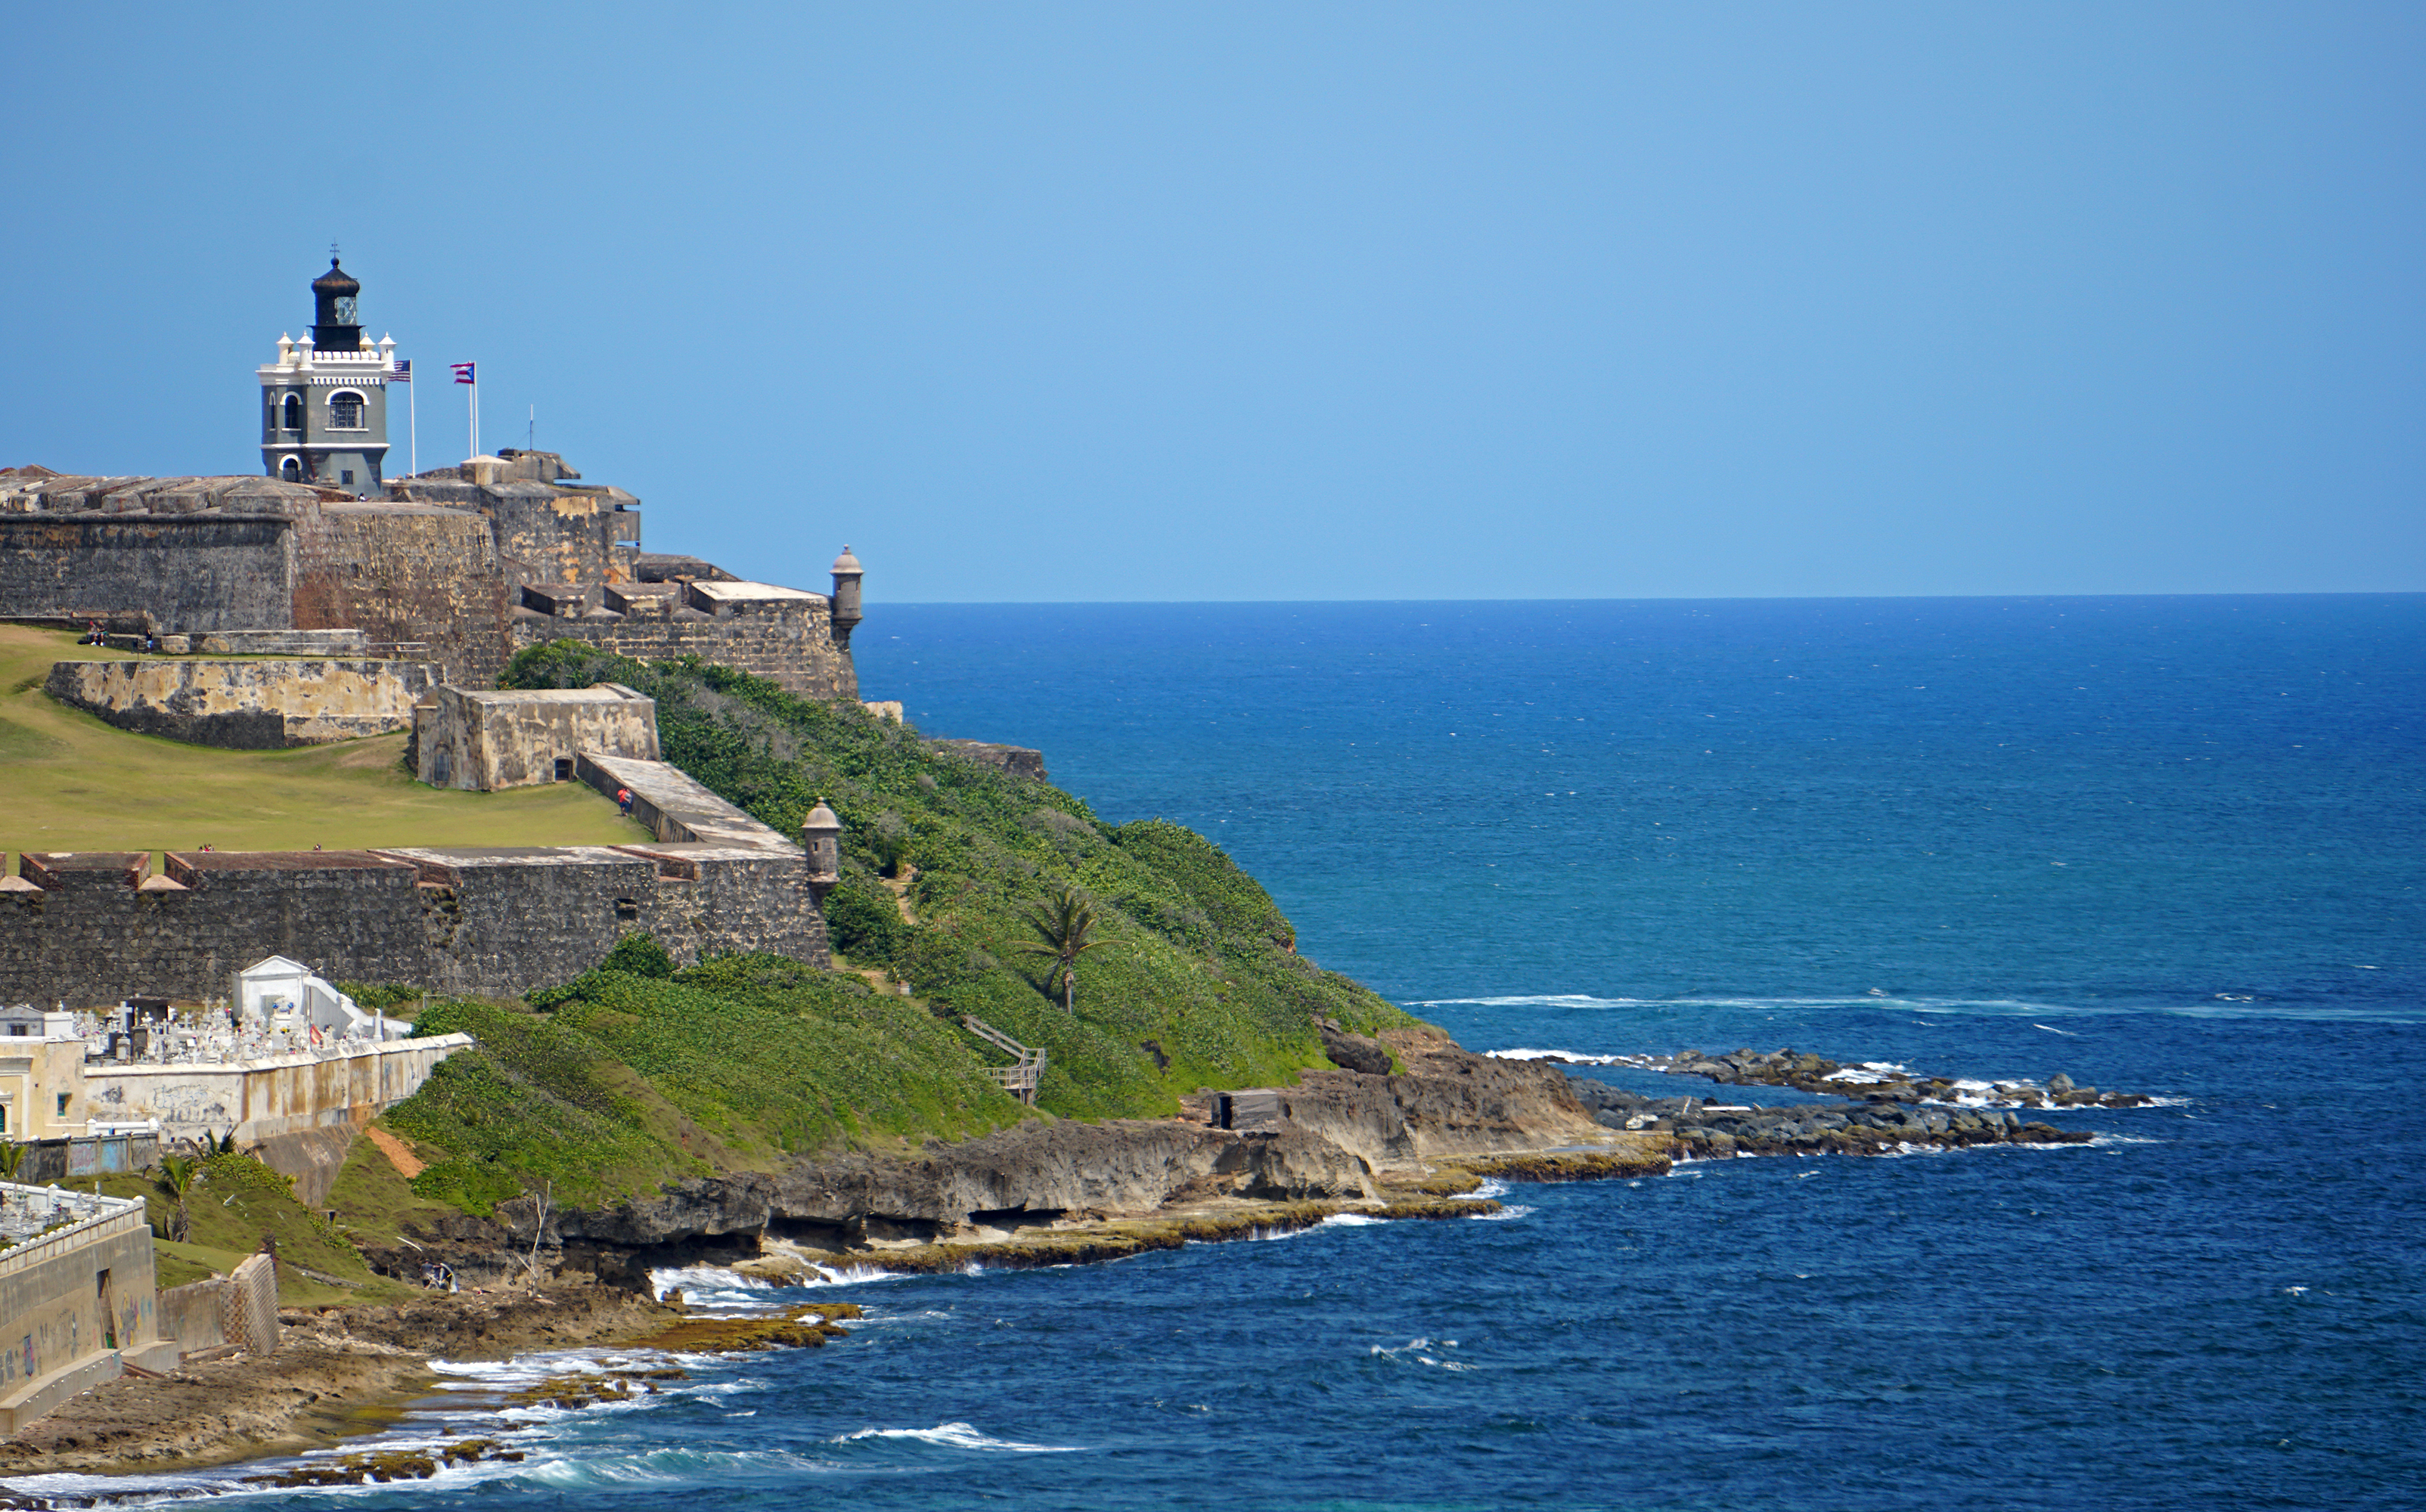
{"x":264,"y":1098}
{"x":75,"y":1299}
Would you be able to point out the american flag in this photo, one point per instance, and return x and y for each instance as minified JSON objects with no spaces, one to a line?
{"x":463,"y":373}
{"x":401,"y":372}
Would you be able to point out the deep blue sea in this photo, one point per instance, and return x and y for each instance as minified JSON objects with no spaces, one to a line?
{"x":2173,"y":845}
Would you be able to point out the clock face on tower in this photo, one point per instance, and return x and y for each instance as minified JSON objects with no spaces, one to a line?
{"x":346,"y":311}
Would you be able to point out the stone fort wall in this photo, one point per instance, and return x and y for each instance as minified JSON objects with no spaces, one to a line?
{"x":789,"y":646}
{"x":436,"y":571}
{"x":96,"y":929}
{"x":188,"y":571}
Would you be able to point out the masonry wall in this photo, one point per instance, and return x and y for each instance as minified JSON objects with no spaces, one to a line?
{"x":793,"y":648}
{"x":189,"y":573}
{"x":246,"y":705}
{"x":56,"y":1317}
{"x":565,"y":535}
{"x":87,"y":938}
{"x":499,"y":922}
{"x":266,"y":1097}
{"x":721,"y":901}
{"x":406,"y":573}
{"x":536,"y":915}
{"x":482,"y":742}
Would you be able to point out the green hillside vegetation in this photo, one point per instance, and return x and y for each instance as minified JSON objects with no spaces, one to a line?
{"x":75,"y":784}
{"x":632,"y":1075}
{"x":622,"y":1078}
{"x":236,"y":1204}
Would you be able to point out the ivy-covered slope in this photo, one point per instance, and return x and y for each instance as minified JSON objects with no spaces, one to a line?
{"x":626,"y":1078}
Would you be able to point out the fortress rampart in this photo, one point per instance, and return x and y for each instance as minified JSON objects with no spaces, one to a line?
{"x":246,"y":705}
{"x":95,"y":927}
{"x":461,"y":566}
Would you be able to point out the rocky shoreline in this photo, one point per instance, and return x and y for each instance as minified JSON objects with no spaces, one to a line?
{"x":1874,"y":1107}
{"x":1416,"y":1141}
{"x":339,"y":1373}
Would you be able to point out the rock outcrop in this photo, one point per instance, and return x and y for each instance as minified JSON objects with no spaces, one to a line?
{"x":1340,"y":1134}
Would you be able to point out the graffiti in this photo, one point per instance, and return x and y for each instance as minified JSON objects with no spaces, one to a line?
{"x":188,"y":1104}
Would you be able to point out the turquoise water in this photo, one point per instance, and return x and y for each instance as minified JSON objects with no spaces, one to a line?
{"x":2168,"y":846}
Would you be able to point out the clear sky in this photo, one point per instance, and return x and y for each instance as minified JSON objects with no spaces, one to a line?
{"x":1288,"y":302}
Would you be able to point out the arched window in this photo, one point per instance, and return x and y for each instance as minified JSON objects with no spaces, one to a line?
{"x":291,"y":471}
{"x":345,"y":411}
{"x":293,"y":416}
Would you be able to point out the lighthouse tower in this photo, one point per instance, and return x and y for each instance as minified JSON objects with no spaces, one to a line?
{"x":324,"y":401}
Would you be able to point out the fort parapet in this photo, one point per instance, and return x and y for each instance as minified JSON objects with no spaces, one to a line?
{"x":98,"y":927}
{"x":464,"y":565}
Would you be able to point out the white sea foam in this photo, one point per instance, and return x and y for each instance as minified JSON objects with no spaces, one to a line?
{"x":960,"y":1436}
{"x":1349,"y":1220}
{"x":1578,"y":1056}
{"x":1554,"y":999}
{"x":1505,"y":1215}
{"x":663,"y":1467}
{"x":1413,"y":1352}
{"x":860,"y":1275}
{"x":1865,"y":1073}
{"x":710,"y":1287}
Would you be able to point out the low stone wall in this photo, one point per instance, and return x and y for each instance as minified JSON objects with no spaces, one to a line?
{"x":1011,"y":761}
{"x":675,"y":807}
{"x":261,"y":1099}
{"x":189,"y":1315}
{"x":61,"y":1160}
{"x":263,"y":705}
{"x":788,"y":642}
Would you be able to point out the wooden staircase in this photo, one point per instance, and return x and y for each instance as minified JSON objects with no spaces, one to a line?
{"x":1020,"y":1078}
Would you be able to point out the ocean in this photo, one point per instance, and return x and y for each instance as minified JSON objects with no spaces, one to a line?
{"x":2171,"y":846}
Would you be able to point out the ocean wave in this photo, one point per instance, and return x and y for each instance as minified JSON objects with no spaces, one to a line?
{"x":2219,"y":1006}
{"x":1412,"y":1352}
{"x":709,"y":1286}
{"x":1553,"y":1000}
{"x":1578,"y":1056}
{"x":670,"y":1467}
{"x":1506,"y":1214}
{"x":860,"y":1275}
{"x":959,"y":1436}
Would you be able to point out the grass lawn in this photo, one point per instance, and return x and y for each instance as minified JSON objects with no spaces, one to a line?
{"x":75,"y":784}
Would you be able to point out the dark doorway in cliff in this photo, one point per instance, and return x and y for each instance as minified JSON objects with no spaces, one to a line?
{"x":564,"y":769}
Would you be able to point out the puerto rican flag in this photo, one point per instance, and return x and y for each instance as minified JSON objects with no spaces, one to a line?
{"x":463,"y":373}
{"x":401,"y":372}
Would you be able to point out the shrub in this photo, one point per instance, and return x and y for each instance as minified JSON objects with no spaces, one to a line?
{"x":864,"y":921}
{"x":640,"y":956}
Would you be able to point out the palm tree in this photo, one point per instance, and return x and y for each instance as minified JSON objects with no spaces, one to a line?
{"x":1066,"y":926}
{"x":178,"y":1174}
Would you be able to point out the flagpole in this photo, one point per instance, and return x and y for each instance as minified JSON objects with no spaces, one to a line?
{"x":412,"y":408}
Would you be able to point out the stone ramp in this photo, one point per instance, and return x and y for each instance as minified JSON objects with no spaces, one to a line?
{"x":676,"y":810}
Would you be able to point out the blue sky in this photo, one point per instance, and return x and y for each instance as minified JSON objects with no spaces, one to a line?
{"x":1302,"y":301}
